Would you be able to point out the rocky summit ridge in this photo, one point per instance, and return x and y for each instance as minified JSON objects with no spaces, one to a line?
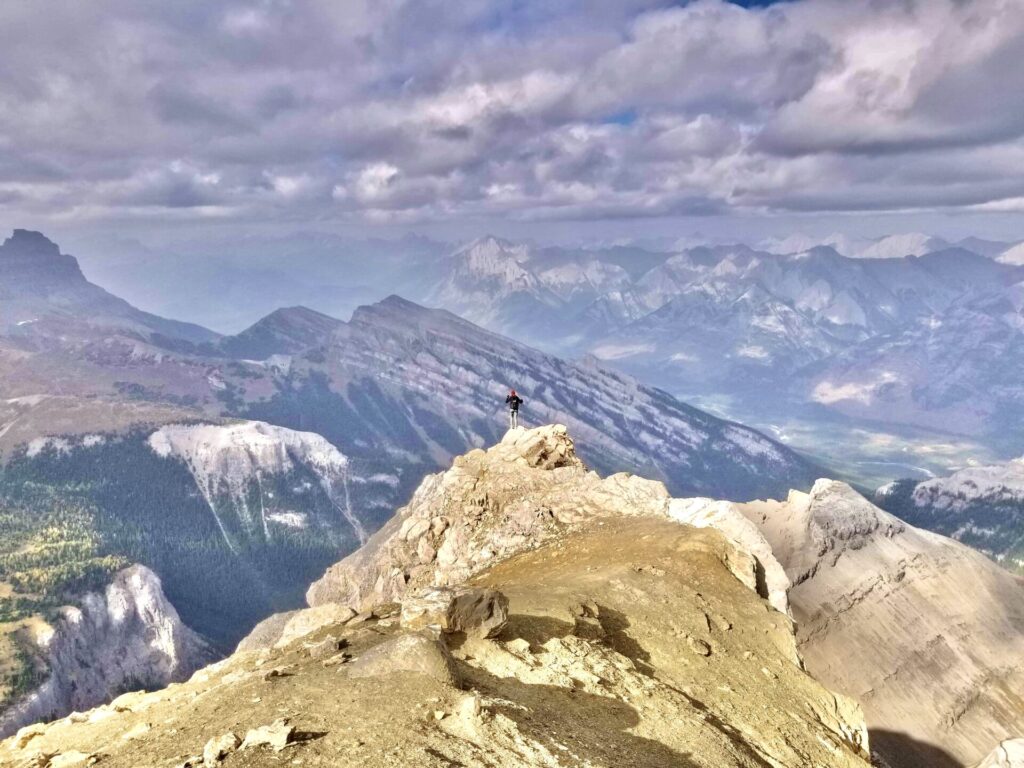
{"x":520,"y":610}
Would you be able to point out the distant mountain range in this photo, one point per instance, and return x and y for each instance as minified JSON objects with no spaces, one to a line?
{"x":930,"y":339}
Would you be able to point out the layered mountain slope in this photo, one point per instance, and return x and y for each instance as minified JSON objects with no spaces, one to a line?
{"x":808,"y":333}
{"x":403,"y":387}
{"x":980,"y":506}
{"x":927,"y":634}
{"x":119,"y":638}
{"x":622,"y":638}
{"x":282,"y":332}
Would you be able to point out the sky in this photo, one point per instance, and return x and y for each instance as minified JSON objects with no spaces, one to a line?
{"x":579,"y":118}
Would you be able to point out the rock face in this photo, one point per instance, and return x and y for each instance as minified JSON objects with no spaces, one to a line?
{"x":129,"y":636}
{"x":230,"y":461}
{"x":1009,"y":754}
{"x":622,"y":638}
{"x":492,"y":504}
{"x":926,"y":633}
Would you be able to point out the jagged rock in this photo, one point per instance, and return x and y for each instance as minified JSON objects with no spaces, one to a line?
{"x":267,"y":632}
{"x":127,"y":633}
{"x":277,"y":735}
{"x":698,"y":646}
{"x":308,"y":621}
{"x":408,"y":653}
{"x":73,"y":759}
{"x":324,"y":649}
{"x":1009,"y":754}
{"x":26,"y":734}
{"x":769,"y":576}
{"x":219,"y":747}
{"x":470,"y":610}
{"x":572,"y":553}
{"x":517,"y":494}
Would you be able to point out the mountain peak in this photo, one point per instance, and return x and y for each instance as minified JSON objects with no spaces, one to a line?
{"x":30,"y":261}
{"x":284,"y":331}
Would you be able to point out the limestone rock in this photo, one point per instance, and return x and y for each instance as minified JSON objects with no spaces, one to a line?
{"x":518,"y":494}
{"x":128,"y":633}
{"x":470,"y":610}
{"x":408,"y":653}
{"x":277,"y":735}
{"x":219,"y":747}
{"x":73,"y":759}
{"x":307,"y":621}
{"x":924,"y":631}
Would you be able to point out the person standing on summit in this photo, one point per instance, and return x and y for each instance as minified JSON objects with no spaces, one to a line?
{"x":513,"y":401}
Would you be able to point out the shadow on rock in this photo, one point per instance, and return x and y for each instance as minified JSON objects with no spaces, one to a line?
{"x":615,"y":625}
{"x":899,"y":750}
{"x":595,"y":729}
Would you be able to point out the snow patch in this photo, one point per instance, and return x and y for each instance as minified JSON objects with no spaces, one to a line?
{"x":828,"y":393}
{"x":619,"y":351}
{"x":290,"y":519}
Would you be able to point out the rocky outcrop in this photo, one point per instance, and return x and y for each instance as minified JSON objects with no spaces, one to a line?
{"x":128,"y":636}
{"x":926,"y":633}
{"x":492,"y":504}
{"x":561,"y":620}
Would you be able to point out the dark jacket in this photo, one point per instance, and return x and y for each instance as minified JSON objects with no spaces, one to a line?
{"x":514,"y":401}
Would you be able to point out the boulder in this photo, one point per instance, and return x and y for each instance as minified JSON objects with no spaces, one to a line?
{"x":473,"y":611}
{"x":415,"y":653}
{"x":219,"y":747}
{"x":310,"y":620}
{"x":278,"y":735}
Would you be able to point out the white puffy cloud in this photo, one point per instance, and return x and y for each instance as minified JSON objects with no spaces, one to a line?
{"x":399,"y":110}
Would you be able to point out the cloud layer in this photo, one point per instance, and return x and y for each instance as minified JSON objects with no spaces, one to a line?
{"x":413,"y":110}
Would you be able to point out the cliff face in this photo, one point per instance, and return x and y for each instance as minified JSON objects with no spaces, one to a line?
{"x":927,"y":634}
{"x":127,"y":637}
{"x":520,"y":611}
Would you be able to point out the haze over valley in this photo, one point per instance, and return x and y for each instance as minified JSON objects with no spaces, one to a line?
{"x":493,"y":384}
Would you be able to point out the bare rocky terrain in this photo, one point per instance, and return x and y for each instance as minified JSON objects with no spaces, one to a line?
{"x":599,"y":631}
{"x":926,"y":633}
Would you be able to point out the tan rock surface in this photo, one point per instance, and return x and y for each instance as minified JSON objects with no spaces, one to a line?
{"x":518,"y":494}
{"x":927,"y":634}
{"x":630,"y":640}
{"x":537,"y":695}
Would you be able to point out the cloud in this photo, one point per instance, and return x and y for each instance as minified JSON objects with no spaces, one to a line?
{"x":393,"y":110}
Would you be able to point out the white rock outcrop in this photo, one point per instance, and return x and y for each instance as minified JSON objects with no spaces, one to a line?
{"x":126,"y":637}
{"x":227,"y":460}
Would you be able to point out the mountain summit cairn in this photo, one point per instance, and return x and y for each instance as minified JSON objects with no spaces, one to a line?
{"x":519,"y":611}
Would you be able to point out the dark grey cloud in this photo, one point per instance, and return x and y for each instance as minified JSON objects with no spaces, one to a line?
{"x":393,"y":110}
